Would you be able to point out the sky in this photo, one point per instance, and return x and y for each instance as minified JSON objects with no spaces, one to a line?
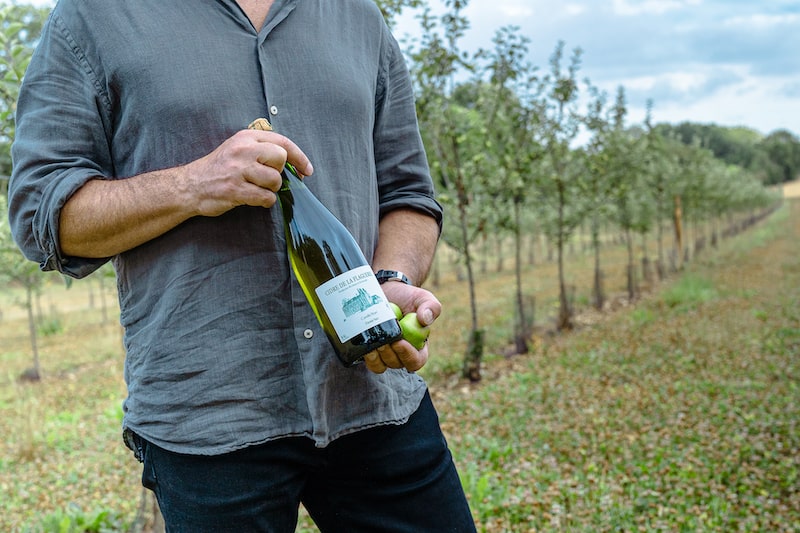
{"x":727,"y":62}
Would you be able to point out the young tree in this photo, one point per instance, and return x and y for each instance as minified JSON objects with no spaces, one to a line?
{"x":560,"y":127}
{"x":17,"y":271}
{"x":450,"y":132}
{"x":513,"y":107}
{"x":659,"y":170}
{"x":624,"y":153}
{"x":596,"y":185}
{"x":695,"y":161}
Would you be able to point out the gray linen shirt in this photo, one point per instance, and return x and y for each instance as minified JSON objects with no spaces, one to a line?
{"x":223,"y":351}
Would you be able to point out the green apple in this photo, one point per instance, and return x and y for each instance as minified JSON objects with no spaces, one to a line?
{"x":413,"y":331}
{"x":398,"y":313}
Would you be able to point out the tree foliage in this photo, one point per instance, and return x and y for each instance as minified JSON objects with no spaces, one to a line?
{"x":503,"y":145}
{"x":392,"y":8}
{"x":774,"y":159}
{"x":782,"y":150}
{"x":20,"y":27}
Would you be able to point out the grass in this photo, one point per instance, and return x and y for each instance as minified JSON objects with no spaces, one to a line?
{"x":677,"y":414}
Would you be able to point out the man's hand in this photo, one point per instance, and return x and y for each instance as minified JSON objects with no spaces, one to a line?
{"x":243,"y":170}
{"x":401,"y":354}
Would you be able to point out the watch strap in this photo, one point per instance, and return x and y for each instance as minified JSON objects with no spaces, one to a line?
{"x":391,"y":275}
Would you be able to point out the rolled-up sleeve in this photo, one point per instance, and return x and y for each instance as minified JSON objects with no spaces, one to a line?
{"x":403,"y":175}
{"x":60,"y":144}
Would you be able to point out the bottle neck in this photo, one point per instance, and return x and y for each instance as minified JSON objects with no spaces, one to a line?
{"x":291,"y":179}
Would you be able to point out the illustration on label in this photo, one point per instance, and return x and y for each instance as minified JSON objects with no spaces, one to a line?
{"x":354,"y":302}
{"x":360,"y":303}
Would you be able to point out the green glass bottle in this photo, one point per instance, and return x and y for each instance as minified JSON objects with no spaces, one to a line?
{"x":335,"y":276}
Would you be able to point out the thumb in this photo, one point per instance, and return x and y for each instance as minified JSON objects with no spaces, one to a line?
{"x":426,"y":316}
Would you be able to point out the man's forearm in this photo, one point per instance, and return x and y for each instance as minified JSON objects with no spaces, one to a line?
{"x":106,"y":217}
{"x":406,"y":242}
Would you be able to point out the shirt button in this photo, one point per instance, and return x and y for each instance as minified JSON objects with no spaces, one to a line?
{"x":273,"y":110}
{"x":308,"y":334}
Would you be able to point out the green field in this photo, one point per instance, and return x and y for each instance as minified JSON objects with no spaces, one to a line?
{"x":678,"y":413}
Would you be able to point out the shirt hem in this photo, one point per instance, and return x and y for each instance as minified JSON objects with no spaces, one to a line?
{"x":413,"y":403}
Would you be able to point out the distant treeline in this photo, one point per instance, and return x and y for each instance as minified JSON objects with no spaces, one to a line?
{"x":774,"y":158}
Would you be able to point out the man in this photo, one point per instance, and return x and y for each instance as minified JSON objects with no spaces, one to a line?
{"x":130,"y":147}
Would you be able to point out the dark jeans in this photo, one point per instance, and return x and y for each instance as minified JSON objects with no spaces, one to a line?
{"x":384,"y":479}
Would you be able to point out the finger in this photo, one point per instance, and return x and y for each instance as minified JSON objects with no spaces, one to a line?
{"x":272,"y":155}
{"x":389,"y":358}
{"x":428,"y":309}
{"x":426,"y":316}
{"x":255,"y":196}
{"x":409,"y":357}
{"x":264,"y":175}
{"x":293,"y":153}
{"x":374,"y":363}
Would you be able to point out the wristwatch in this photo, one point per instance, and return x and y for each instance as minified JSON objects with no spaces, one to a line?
{"x":391,"y":275}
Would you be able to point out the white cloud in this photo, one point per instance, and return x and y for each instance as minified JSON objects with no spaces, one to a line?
{"x":762,"y":103}
{"x":693,"y":78}
{"x":755,"y":103}
{"x":515,"y":9}
{"x":760,"y":21}
{"x":573,"y":10}
{"x":654,"y":7}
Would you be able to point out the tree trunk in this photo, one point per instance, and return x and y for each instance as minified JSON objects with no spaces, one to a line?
{"x":436,"y":275}
{"x":148,"y":515}
{"x":687,"y":240}
{"x":521,"y":334}
{"x":472,"y":359}
{"x":631,"y":267}
{"x":484,"y":256}
{"x":499,"y":252}
{"x":35,"y":372}
{"x":660,"y":246}
{"x":647,"y":274}
{"x":677,"y":221}
{"x":525,"y":324}
{"x":599,"y":295}
{"x":564,"y":312}
{"x":532,"y":241}
{"x":103,"y":304}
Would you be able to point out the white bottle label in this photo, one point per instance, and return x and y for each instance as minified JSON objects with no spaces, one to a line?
{"x":354,"y":301}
